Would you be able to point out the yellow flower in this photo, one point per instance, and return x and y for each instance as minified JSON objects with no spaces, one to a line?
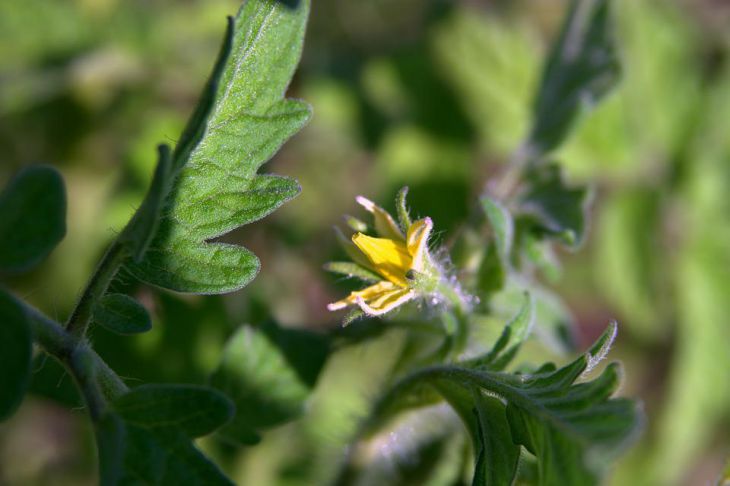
{"x":396,"y":259}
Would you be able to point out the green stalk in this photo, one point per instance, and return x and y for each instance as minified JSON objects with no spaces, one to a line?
{"x":97,"y":382}
{"x":458,"y":314}
{"x":78,"y":322}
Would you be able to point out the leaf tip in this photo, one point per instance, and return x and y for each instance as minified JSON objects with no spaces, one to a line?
{"x":601,"y":347}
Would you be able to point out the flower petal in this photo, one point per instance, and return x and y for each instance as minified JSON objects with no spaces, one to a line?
{"x":417,"y":242}
{"x":369,"y":293}
{"x":386,"y":301}
{"x":385,"y":225}
{"x":353,"y":251}
{"x":388,"y":257}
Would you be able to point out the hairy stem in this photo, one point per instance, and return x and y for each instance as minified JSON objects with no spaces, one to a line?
{"x":504,"y":385}
{"x":456,"y":319}
{"x":503,"y":187}
{"x":97,"y":382}
{"x":83,"y":370}
{"x":78,"y":322}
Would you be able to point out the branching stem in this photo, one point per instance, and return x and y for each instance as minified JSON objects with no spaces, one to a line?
{"x":78,"y":322}
{"x":97,"y":382}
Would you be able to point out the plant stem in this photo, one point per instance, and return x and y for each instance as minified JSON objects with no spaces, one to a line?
{"x":84,"y":372}
{"x":96,"y":380}
{"x":455,"y":319}
{"x":511,"y":178}
{"x":78,"y":322}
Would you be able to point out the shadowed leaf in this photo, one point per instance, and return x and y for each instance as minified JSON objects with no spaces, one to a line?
{"x":16,"y":352}
{"x":496,"y":456}
{"x":552,"y":208}
{"x":573,"y":429}
{"x":122,"y":314}
{"x":192,"y":409}
{"x":582,"y":68}
{"x":268,"y":373}
{"x":129,"y":454}
{"x":32,"y":218}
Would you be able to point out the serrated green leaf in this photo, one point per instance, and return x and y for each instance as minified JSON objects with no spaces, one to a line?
{"x":572,"y":428}
{"x":16,"y":351}
{"x":580,"y":431}
{"x":240,"y":123}
{"x":552,"y":208}
{"x":32,"y":218}
{"x":599,"y":350}
{"x":509,"y":342}
{"x":554,"y":325}
{"x":583,"y":67}
{"x":191,"y":409}
{"x":129,"y":454}
{"x":122,"y":314}
{"x":496,"y":456}
{"x":268,"y":372}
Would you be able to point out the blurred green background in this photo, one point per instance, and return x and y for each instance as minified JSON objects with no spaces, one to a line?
{"x":430,"y":94}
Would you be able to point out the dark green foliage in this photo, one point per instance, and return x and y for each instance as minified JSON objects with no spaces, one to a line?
{"x":49,"y":381}
{"x":582,"y":68}
{"x":32,"y":218}
{"x":122,"y":314}
{"x":111,"y":441}
{"x":181,"y":324}
{"x":129,"y":454}
{"x":145,"y":437}
{"x":495,"y":455}
{"x":16,"y":351}
{"x":552,"y":208}
{"x":191,"y":409}
{"x":268,"y":373}
{"x":572,"y":428}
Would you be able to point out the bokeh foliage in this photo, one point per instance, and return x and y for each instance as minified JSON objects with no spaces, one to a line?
{"x":435,"y":95}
